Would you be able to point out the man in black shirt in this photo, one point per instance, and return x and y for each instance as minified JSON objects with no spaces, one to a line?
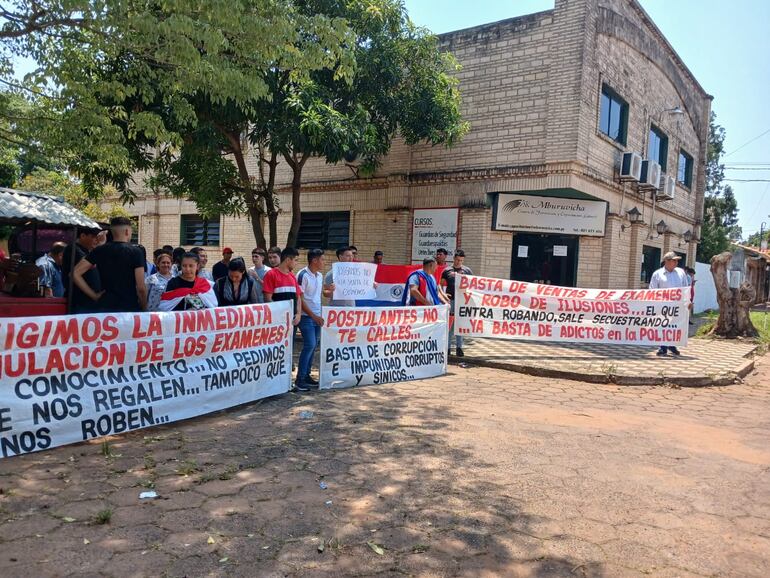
{"x":86,"y":242}
{"x":121,"y":269}
{"x":220,"y":268}
{"x":448,"y":280}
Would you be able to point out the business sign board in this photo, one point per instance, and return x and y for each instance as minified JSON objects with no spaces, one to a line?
{"x":433,"y":229}
{"x":554,"y":215}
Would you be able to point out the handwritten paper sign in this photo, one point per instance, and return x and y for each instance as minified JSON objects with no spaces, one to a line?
{"x":354,"y":280}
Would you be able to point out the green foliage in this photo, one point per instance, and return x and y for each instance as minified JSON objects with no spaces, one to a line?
{"x":184,"y":91}
{"x":759,"y":319}
{"x":72,"y":191}
{"x":103,"y":517}
{"x":720,"y":208}
{"x":9,"y":167}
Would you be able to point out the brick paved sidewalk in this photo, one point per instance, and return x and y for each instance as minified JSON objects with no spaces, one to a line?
{"x":703,"y":362}
{"x":477,"y":474}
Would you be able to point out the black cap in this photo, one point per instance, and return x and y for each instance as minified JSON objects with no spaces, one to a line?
{"x":459,"y":253}
{"x":378,"y":253}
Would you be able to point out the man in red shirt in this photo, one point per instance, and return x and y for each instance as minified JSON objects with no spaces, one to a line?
{"x":280,"y":284}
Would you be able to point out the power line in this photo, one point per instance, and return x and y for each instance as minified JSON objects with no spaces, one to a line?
{"x":767,"y":168}
{"x":748,"y":143}
{"x":748,"y":180}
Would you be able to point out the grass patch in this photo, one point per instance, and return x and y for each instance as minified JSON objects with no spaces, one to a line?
{"x":103,"y":517}
{"x":760,"y":319}
{"x":187,"y":468}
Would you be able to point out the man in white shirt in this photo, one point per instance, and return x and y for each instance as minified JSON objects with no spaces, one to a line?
{"x":311,"y":281}
{"x":668,"y":277}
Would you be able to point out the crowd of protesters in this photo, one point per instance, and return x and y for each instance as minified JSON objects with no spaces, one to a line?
{"x":113,"y":275}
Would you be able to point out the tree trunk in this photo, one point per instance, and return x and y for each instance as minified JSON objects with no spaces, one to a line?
{"x":269,"y":196}
{"x":734,"y":304}
{"x":252,"y":204}
{"x":296,"y":163}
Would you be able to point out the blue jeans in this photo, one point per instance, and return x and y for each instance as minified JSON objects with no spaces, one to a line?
{"x":453,"y":331}
{"x":311,"y":337}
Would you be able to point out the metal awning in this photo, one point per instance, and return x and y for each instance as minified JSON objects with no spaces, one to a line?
{"x":21,"y":207}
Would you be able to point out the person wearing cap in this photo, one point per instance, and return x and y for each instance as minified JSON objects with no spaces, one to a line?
{"x":668,"y":277}
{"x":448,"y":282}
{"x":87,"y":241}
{"x":441,"y":255}
{"x":378,"y":257}
{"x":220,"y":268}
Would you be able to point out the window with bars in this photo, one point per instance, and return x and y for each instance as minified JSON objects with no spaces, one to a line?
{"x":200,"y":231}
{"x":684,"y":172}
{"x":613,"y":115}
{"x":657,"y":147}
{"x":328,"y":230}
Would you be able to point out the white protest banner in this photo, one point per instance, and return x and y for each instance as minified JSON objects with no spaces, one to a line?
{"x":73,"y":378}
{"x":505,"y":309}
{"x":433,"y":229}
{"x":365,"y":346}
{"x":354,"y":280}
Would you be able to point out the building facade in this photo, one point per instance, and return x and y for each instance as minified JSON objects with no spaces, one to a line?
{"x":554,"y":100}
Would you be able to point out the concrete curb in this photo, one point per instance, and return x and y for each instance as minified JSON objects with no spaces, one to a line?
{"x":714,"y":380}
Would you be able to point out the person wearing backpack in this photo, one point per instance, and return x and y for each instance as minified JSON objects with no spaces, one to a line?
{"x":236,"y":288}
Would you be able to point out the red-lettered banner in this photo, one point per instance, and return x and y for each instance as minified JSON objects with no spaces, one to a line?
{"x":364,"y":346}
{"x":72,"y":378}
{"x":506,"y":309}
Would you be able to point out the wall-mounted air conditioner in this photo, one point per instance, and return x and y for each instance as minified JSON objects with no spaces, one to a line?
{"x":631,"y":167}
{"x":667,"y":190}
{"x":650,"y":177}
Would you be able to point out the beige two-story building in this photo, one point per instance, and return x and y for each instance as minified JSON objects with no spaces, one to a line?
{"x":538,"y":190}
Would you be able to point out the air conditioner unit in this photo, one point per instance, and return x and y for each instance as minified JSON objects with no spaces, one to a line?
{"x":666,"y":192}
{"x":631,"y":167}
{"x":650,"y":177}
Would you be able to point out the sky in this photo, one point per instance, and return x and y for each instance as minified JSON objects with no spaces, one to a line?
{"x":726,"y":45}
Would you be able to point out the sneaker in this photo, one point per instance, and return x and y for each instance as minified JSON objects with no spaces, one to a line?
{"x":301,"y":386}
{"x":662,"y":352}
{"x":674,"y":351}
{"x":460,"y":352}
{"x":311,"y":381}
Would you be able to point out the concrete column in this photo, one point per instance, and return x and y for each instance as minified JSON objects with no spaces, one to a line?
{"x":668,"y":242}
{"x":638,"y":231}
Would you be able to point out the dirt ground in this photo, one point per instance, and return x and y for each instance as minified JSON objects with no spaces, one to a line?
{"x":479,"y":473}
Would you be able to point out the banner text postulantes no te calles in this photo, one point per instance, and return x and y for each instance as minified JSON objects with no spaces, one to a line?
{"x":365,"y":346}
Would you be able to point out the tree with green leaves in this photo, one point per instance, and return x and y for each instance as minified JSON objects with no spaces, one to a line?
{"x":113,"y":76}
{"x":720,"y":208}
{"x":402,"y":86}
{"x":62,"y":185}
{"x":384,"y":77}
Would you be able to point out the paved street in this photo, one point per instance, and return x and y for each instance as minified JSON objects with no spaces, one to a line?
{"x":480,"y":473}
